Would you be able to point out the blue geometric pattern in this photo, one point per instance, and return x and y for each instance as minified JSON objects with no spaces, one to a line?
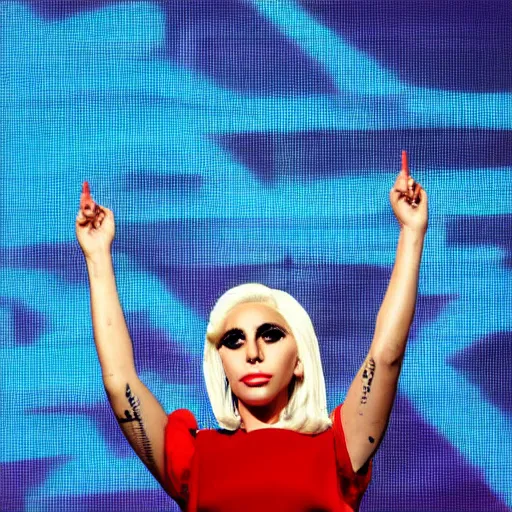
{"x":254,"y":141}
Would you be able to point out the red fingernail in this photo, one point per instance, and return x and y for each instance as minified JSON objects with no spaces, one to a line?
{"x":405,"y":163}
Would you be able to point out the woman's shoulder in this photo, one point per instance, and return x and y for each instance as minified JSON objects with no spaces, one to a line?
{"x":182,"y":418}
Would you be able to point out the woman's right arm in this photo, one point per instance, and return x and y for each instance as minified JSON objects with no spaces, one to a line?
{"x":140,"y":416}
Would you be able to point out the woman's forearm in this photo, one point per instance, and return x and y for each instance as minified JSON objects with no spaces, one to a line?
{"x":397,"y":310}
{"x":113,"y":342}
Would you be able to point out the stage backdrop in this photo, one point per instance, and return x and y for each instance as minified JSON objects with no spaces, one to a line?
{"x":255,"y":141}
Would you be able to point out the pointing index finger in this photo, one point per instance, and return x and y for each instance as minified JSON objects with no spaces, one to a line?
{"x":405,"y":164}
{"x":87,"y":204}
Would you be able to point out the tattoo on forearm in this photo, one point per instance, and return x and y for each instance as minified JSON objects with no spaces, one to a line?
{"x":368,"y":373}
{"x":134,"y":426}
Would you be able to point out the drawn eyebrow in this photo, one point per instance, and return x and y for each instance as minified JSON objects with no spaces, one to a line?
{"x":259,"y":331}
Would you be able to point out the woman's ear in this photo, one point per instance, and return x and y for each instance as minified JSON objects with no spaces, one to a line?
{"x":299,"y":369}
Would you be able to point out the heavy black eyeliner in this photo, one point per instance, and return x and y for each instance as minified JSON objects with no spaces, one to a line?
{"x":229,"y":334}
{"x":267,"y":326}
{"x":272,"y":335}
{"x":262,"y":329}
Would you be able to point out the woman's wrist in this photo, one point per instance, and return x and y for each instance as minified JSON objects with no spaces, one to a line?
{"x":98,"y":263}
{"x":413,"y":234}
{"x":98,"y":256}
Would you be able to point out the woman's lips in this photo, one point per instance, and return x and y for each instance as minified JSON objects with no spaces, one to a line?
{"x":255,"y":379}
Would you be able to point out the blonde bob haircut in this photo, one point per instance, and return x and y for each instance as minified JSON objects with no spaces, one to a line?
{"x":306,"y":410}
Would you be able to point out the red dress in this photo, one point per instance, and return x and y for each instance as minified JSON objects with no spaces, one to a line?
{"x":266,"y":470}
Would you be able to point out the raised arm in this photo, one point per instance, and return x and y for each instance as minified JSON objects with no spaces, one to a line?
{"x":140,"y":416}
{"x":367,"y":406}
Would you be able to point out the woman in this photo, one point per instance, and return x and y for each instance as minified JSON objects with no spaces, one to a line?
{"x":277,"y":449}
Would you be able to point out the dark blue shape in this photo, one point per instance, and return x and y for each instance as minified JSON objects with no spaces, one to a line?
{"x":66,"y":260}
{"x":59,"y":9}
{"x":27,"y":325}
{"x":227,"y":40}
{"x":320,"y":154}
{"x":101,"y":415}
{"x":428,"y":307}
{"x":20,"y":477}
{"x":494,"y":230}
{"x":486,"y":364}
{"x":122,"y":501}
{"x":183,"y":238}
{"x":231,"y":42}
{"x":457,"y":45}
{"x":417,"y":469}
{"x":153,"y":350}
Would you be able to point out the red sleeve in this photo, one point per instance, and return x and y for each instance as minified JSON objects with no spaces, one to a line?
{"x":179,"y":449}
{"x":353,"y":485}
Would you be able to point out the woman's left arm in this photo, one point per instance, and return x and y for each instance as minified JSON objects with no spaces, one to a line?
{"x":367,"y":406}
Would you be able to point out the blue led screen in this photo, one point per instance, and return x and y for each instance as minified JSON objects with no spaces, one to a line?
{"x":255,"y":141}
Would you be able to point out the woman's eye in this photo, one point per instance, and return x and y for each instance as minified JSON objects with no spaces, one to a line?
{"x":232,"y":342}
{"x":273,"y":335}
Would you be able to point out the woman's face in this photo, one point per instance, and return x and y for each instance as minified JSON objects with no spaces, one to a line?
{"x":257,"y":340}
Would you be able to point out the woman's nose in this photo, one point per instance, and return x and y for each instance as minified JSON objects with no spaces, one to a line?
{"x":253,"y":351}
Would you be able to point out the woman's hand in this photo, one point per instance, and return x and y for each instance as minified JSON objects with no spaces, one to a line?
{"x":95,"y":227}
{"x":409,"y":200}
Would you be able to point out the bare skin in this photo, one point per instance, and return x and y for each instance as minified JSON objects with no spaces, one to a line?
{"x":141,"y":417}
{"x":272,"y":350}
{"x":369,"y":401}
{"x":94,"y":226}
{"x":370,"y":398}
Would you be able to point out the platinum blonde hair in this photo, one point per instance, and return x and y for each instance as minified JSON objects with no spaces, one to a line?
{"x":306,"y":410}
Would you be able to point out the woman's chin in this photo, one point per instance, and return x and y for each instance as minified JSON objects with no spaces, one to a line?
{"x":256,"y":402}
{"x":256,"y":399}
{"x":263,"y":396}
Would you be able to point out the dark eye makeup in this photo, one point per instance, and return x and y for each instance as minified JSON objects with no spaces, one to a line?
{"x":269,"y":332}
{"x":273,"y":334}
{"x":232,"y":339}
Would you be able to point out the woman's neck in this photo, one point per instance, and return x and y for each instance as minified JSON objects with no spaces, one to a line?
{"x":256,"y":417}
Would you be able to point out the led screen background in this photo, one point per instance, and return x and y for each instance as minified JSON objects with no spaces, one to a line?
{"x":241,"y":141}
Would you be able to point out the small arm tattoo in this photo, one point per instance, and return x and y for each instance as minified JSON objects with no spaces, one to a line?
{"x":134,"y":427}
{"x":368,"y":373}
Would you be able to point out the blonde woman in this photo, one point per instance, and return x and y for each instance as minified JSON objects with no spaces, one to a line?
{"x":277,"y":447}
